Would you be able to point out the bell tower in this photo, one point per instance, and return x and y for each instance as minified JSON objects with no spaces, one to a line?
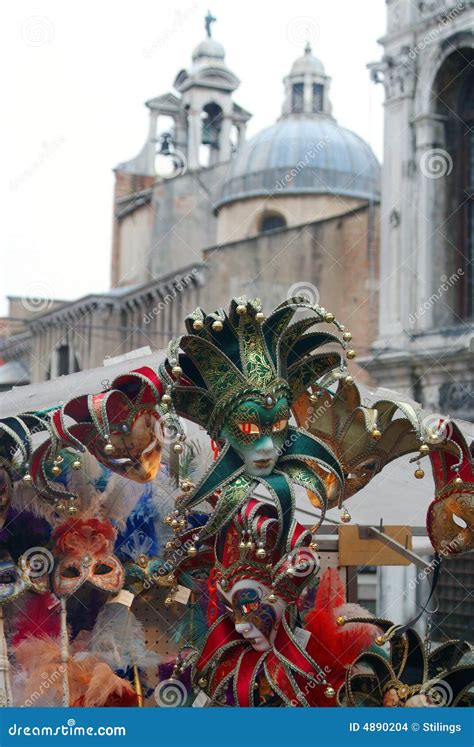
{"x":215,"y":125}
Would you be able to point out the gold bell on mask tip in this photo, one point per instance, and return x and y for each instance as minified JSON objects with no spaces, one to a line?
{"x":380,"y":640}
{"x":260,"y":316}
{"x":272,"y":597}
{"x":76,"y":464}
{"x":351,"y":354}
{"x":261,"y":552}
{"x":168,"y":601}
{"x":108,"y":448}
{"x":424,"y":449}
{"x":458,"y":480}
{"x":166,"y":398}
{"x":329,"y":692}
{"x":349,"y":380}
{"x":241,"y":309}
{"x":347,"y":337}
{"x":178,"y":448}
{"x":329,"y":318}
{"x":217,"y":326}
{"x":376,"y":434}
{"x":202,"y":682}
{"x":56,"y":469}
{"x":198,"y":324}
{"x":340,"y":620}
{"x":419,"y":473}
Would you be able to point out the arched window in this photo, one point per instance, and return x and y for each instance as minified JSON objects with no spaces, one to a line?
{"x":454,"y":97}
{"x":271,"y":222}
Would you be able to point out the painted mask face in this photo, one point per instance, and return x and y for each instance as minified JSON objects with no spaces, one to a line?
{"x":12,"y":580}
{"x":87,"y":556}
{"x":255,"y":618}
{"x":137,"y":448}
{"x":258,"y":432}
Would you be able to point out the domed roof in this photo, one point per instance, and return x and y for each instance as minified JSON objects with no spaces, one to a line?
{"x":303,"y":155}
{"x":209,"y":47}
{"x":307,"y":63}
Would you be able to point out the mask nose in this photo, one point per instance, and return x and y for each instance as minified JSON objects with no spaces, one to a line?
{"x":266,"y":446}
{"x":243,"y":628}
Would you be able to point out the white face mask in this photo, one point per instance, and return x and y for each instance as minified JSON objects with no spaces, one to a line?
{"x":255,"y":618}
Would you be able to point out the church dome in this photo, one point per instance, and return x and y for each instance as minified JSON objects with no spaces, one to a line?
{"x":303,"y":154}
{"x":307,"y":63}
{"x":209,"y":47}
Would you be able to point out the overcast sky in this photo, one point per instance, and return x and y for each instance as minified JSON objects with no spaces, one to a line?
{"x":75,"y":77}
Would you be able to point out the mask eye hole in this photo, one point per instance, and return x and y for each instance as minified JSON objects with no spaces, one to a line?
{"x":102,"y":569}
{"x":71,"y":572}
{"x":280,"y":425}
{"x":248,"y":428}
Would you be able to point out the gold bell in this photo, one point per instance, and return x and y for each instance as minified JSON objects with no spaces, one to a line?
{"x":72,"y":510}
{"x":202,"y":682}
{"x":347,"y":337}
{"x":272,"y":597}
{"x":217,"y":326}
{"x":176,"y":370}
{"x":183,"y":523}
{"x":249,"y":545}
{"x":313,"y":397}
{"x":376,"y":434}
{"x":329,"y":318}
{"x":242,"y":545}
{"x":168,"y":601}
{"x":424,"y":449}
{"x":458,"y":480}
{"x":174,"y":524}
{"x":350,"y":354}
{"x":329,"y":692}
{"x":187,"y":486}
{"x":177,"y":448}
{"x":419,"y":473}
{"x":167,"y":519}
{"x":108,"y":448}
{"x":313,"y":545}
{"x":56,"y":469}
{"x":345,"y":516}
{"x":380,"y":640}
{"x":340,"y":620}
{"x":169,"y":545}
{"x":60,"y":507}
{"x":241,"y":309}
{"x":76,"y":464}
{"x":198,"y":324}
{"x":261,"y":553}
{"x":349,"y":380}
{"x":166,"y":399}
{"x":27,"y":477}
{"x":192,"y":551}
{"x":259,"y":316}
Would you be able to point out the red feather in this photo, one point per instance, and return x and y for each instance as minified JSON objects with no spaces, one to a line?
{"x":335,"y":647}
{"x":39,"y":618}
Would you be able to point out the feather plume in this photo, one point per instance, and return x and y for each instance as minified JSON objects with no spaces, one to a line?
{"x":107,"y":689}
{"x":119,"y":640}
{"x":37,"y":617}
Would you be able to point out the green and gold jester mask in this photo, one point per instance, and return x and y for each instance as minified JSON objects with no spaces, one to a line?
{"x":237,"y":375}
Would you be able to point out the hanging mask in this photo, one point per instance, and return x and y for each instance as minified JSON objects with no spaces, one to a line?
{"x":85,"y":550}
{"x":13,"y":582}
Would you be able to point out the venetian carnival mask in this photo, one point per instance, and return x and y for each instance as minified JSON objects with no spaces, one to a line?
{"x":136,"y":446}
{"x":257,"y":431}
{"x":255,"y":617}
{"x":85,"y":551}
{"x":13,"y":581}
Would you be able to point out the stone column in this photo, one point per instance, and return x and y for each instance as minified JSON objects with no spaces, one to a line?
{"x":194,"y":138}
{"x":224,"y":139}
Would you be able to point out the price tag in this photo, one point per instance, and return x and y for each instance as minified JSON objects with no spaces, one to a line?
{"x":302,"y":636}
{"x":201,"y":701}
{"x":182,"y":595}
{"x":123,"y":597}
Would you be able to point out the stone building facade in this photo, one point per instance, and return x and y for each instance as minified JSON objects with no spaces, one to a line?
{"x":426,"y":332}
{"x":202,"y":214}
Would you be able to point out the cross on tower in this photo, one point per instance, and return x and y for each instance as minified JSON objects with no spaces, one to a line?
{"x":208,"y":21}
